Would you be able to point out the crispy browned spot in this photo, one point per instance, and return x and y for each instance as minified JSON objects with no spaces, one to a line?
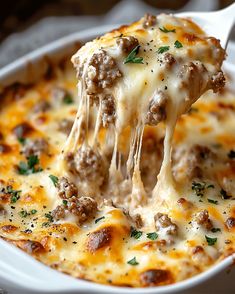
{"x":22,"y":130}
{"x":230,"y":223}
{"x":9,"y":228}
{"x":31,"y":247}
{"x":99,"y":239}
{"x":4,"y":148}
{"x":154,"y":277}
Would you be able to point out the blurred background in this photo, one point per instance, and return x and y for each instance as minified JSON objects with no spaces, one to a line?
{"x":30,"y":24}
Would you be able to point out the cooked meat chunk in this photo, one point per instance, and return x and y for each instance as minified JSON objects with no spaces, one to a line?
{"x":218,"y":81}
{"x":202,"y":219}
{"x":138,"y":220}
{"x":31,"y":247}
{"x":42,"y":106}
{"x":149,"y":20}
{"x":84,"y":208}
{"x":65,"y":126}
{"x":102,"y":72}
{"x":151,"y":158}
{"x":199,"y":256}
{"x":230,"y":223}
{"x":22,"y":130}
{"x":163,"y":221}
{"x":1,"y":136}
{"x":99,"y":239}
{"x":126,"y":44}
{"x":58,"y":213}
{"x":66,"y":189}
{"x":192,"y":76}
{"x":2,"y":209}
{"x":193,"y":161}
{"x":87,"y":164}
{"x":157,"y":109}
{"x":154,"y":277}
{"x":168,"y":59}
{"x":35,"y":147}
{"x":4,"y":148}
{"x":108,"y":110}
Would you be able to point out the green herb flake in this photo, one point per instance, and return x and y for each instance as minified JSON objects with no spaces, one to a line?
{"x":68,"y":99}
{"x":210,"y":186}
{"x":33,"y":211}
{"x":210,"y":241}
{"x":152,"y":236}
{"x":131,"y":57}
{"x":177,"y":44}
{"x":29,"y":167}
{"x":46,"y":224}
{"x":65,"y":202}
{"x":23,"y":213}
{"x":231,"y":154}
{"x":212,"y":201}
{"x":54,"y":179}
{"x":198,"y":188}
{"x":21,"y":140}
{"x":224,"y":194}
{"x":165,"y":30}
{"x":49,"y":217}
{"x":133,"y":261}
{"x":15,"y":194}
{"x":135,"y":234}
{"x":99,"y":219}
{"x":215,"y":230}
{"x":163,"y":49}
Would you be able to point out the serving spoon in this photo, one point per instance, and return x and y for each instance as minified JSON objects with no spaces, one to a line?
{"x":216,"y":23}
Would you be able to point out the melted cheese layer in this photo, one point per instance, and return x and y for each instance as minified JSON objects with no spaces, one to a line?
{"x":110,"y":248}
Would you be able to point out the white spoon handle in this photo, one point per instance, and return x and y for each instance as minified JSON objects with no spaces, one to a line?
{"x":216,"y":23}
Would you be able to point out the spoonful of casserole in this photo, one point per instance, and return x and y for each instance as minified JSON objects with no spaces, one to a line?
{"x":147,"y":73}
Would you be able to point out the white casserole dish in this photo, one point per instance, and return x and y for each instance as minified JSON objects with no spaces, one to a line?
{"x":19,"y":272}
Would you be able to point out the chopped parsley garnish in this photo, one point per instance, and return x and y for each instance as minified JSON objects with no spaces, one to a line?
{"x":135,"y":234}
{"x":198,"y":188}
{"x":49,"y":217}
{"x":46,"y":224}
{"x":65,"y":202}
{"x":210,"y":241}
{"x":29,"y":167}
{"x":152,"y":236}
{"x":23,"y":213}
{"x":133,"y":261}
{"x":15,"y":194}
{"x":165,"y":30}
{"x":68,"y":99}
{"x":99,"y":219}
{"x":224,"y":194}
{"x":215,"y":230}
{"x":131,"y":57}
{"x":54,"y":179}
{"x":163,"y":49}
{"x":33,"y":211}
{"x":231,"y":154}
{"x":212,"y":201}
{"x":21,"y":140}
{"x":177,"y":44}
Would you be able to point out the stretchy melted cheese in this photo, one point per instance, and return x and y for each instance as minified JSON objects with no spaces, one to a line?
{"x":142,"y":74}
{"x":89,"y":207}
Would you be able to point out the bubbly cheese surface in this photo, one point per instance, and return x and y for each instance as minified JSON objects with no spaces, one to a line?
{"x":114,"y":226}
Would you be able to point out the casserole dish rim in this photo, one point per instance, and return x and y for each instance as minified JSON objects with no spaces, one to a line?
{"x":21,"y":71}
